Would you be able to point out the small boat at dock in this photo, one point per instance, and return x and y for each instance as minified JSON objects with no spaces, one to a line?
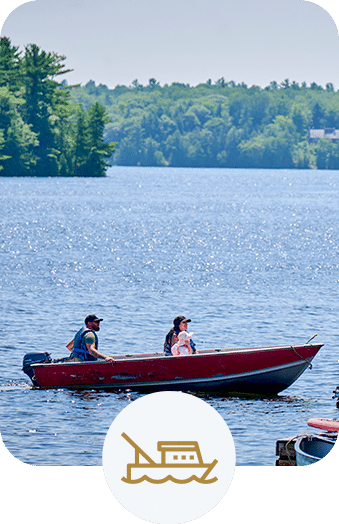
{"x":306,"y":449}
{"x":260,"y":370}
{"x":312,"y":448}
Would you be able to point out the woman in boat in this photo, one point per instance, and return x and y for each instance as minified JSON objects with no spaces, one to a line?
{"x":179,"y":324}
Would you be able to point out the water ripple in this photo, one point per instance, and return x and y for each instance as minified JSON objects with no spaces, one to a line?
{"x":251,"y":256}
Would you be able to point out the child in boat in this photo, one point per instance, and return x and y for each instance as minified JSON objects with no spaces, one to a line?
{"x":183,"y":346}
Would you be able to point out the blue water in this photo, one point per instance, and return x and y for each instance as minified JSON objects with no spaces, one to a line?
{"x":250,"y":255}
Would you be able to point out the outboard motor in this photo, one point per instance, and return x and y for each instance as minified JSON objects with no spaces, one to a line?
{"x":34,"y":358}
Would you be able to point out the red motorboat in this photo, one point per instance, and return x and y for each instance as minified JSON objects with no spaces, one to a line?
{"x":261,"y":370}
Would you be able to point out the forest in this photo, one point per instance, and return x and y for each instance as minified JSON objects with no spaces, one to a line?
{"x":50,"y":128}
{"x":218,"y":124}
{"x":42,"y":131}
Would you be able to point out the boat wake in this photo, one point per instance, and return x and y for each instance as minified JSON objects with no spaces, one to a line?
{"x":169,"y":477}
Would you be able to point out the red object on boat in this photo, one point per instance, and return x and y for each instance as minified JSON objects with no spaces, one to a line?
{"x":324,"y":423}
{"x":261,"y":370}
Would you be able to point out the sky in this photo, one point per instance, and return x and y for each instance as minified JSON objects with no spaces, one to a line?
{"x":114,"y":42}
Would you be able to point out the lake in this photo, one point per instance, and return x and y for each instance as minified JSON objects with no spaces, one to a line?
{"x":251,"y":256}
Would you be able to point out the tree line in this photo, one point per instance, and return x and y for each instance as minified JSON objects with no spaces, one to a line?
{"x":42,"y":131}
{"x":220,"y":124}
{"x":48,"y":128}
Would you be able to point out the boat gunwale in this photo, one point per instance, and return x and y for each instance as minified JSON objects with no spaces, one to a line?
{"x":304,"y":455}
{"x":202,"y":353}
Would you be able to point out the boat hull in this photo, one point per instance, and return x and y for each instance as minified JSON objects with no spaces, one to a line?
{"x":312,"y":448}
{"x":265,"y":370}
{"x":324,"y":423}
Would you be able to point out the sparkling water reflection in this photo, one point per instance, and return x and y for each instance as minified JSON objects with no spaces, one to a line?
{"x":251,"y":256}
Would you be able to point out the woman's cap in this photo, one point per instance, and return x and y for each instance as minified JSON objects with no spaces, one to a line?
{"x":179,"y":319}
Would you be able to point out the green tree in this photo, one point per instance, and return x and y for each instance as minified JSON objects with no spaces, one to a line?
{"x":273,"y":148}
{"x":175,"y":150}
{"x":46,"y":102}
{"x":18,"y":141}
{"x":318,"y":116}
{"x":327,"y":154}
{"x":99,"y":150}
{"x":152,"y":83}
{"x":304,"y":156}
{"x":131,"y":143}
{"x":301,"y":117}
{"x":222,"y":123}
{"x":232,"y":149}
{"x":2,"y":156}
{"x":42,"y":133}
{"x":9,"y":65}
{"x":81,"y":144}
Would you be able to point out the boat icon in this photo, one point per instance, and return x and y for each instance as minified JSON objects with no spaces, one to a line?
{"x":181,"y":462}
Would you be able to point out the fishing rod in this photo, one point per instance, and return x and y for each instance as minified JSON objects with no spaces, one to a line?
{"x":312,"y":338}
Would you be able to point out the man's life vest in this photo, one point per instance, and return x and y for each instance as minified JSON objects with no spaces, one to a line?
{"x":79,"y":347}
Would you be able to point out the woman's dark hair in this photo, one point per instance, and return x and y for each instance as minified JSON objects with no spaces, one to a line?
{"x":169,"y":335}
{"x":175,"y":328}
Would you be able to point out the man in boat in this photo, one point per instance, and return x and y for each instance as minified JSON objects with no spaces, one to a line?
{"x":84,"y":345}
{"x":179,"y":324}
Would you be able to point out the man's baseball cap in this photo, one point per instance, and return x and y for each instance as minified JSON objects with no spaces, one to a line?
{"x":93,"y":318}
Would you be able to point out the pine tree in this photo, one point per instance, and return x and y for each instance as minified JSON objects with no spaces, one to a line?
{"x":17,"y":150}
{"x":9,"y":65}
{"x":41,"y":132}
{"x":82,"y":146}
{"x":99,"y":151}
{"x":45,"y":104}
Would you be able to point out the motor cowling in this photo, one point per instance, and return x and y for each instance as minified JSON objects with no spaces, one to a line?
{"x":34,"y":358}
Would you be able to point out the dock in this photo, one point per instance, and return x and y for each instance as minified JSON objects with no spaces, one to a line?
{"x":284,"y":449}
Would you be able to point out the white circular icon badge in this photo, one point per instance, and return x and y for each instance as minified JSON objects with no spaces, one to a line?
{"x":169,"y":457}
